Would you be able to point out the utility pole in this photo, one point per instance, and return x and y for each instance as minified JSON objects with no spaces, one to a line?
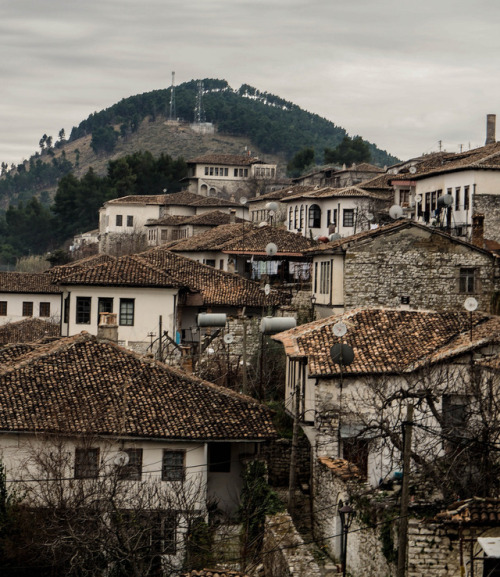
{"x":405,"y":493}
{"x":292,"y":480}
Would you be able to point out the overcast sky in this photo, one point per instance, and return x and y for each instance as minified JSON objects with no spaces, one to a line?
{"x":402,"y":74}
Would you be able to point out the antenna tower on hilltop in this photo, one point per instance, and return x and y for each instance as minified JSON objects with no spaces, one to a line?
{"x":172,"y":114}
{"x":199,"y":113}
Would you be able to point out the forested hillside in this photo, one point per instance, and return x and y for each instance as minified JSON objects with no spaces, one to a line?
{"x":58,"y":191}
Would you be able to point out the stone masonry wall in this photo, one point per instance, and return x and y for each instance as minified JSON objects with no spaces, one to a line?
{"x":489,"y":205}
{"x":277,"y":455}
{"x":284,"y":552}
{"x":418,"y":264}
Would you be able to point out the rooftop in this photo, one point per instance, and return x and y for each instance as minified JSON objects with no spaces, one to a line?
{"x":79,"y":385}
{"x":28,"y":330}
{"x":24,"y":282}
{"x":231,"y":159}
{"x":390,"y":341}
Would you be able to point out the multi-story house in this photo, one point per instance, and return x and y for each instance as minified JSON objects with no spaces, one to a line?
{"x":339,"y":178}
{"x":226,"y":175}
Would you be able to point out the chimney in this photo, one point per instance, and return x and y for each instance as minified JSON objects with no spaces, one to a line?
{"x":232,"y":216}
{"x":491,"y":128}
{"x":108,"y":327}
{"x":478,"y":230}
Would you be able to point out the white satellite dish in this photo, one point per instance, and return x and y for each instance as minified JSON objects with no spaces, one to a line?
{"x":272,"y":206}
{"x":413,"y":169}
{"x":262,"y":224}
{"x":395,"y":211}
{"x":470,"y":304}
{"x":243,"y":200}
{"x":334,"y":236}
{"x":267,"y":289}
{"x":228,"y":338}
{"x":271,"y":249}
{"x":272,"y":212}
{"x":121,"y":459}
{"x":418,"y":198}
{"x":339,"y":329}
{"x":369,"y":216}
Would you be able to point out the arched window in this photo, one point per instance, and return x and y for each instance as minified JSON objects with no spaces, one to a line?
{"x":296,"y":217}
{"x":314,"y":216}
{"x":301,"y":217}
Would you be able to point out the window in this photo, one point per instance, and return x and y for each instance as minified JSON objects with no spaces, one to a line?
{"x":153,"y":532}
{"x":206,"y":170}
{"x":466,"y":198}
{"x":27,"y":309}
{"x":210,"y":262}
{"x":86,"y":463}
{"x":104,"y":305}
{"x":130,"y":220}
{"x":348,"y":217}
{"x":290,"y":218}
{"x":119,"y":220}
{"x":324,"y":282}
{"x":314,"y":216}
{"x":457,"y":198}
{"x":211,"y":171}
{"x":235,"y":172}
{"x":301,"y":223}
{"x":127,"y":312}
{"x":44,"y":310}
{"x":66,"y":310}
{"x":172,"y":468}
{"x":219,"y":458}
{"x":83,"y":310}
{"x":404,"y":197}
{"x":3,"y":308}
{"x":132,"y":471}
{"x":296,"y":217}
{"x":467,"y":282}
{"x":356,"y":451}
{"x":164,"y":234}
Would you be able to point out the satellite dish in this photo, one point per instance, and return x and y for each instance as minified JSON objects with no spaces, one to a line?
{"x":395,"y":211}
{"x":267,"y":289}
{"x":334,"y":236}
{"x":445,"y":200}
{"x":272,"y":206}
{"x":342,"y":354}
{"x":413,"y":169}
{"x":418,"y":198}
{"x":228,"y":338}
{"x":243,"y":200}
{"x":369,"y":216}
{"x":121,"y":459}
{"x":271,"y":249}
{"x":339,"y":329}
{"x":272,"y":212}
{"x":470,"y":304}
{"x":262,"y":224}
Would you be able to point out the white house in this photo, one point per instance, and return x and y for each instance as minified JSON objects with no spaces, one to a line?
{"x":28,"y":295}
{"x":144,"y":436}
{"x":224,"y":175}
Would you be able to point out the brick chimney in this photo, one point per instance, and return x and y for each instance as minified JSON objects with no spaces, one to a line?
{"x":108,"y":327}
{"x":491,"y":120}
{"x":478,"y":230}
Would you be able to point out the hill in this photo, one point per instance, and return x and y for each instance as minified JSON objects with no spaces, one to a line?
{"x":244,"y":119}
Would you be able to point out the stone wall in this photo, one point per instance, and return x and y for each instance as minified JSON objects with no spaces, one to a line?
{"x":417,"y":264}
{"x":277,"y":455}
{"x":284,"y":551}
{"x":489,"y":205}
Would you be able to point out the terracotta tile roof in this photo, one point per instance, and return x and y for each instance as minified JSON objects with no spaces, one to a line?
{"x":391,"y":228}
{"x":214,"y":573}
{"x":168,"y":219}
{"x":388,"y":341}
{"x":341,"y":468}
{"x":213,"y":201}
{"x":58,"y":272}
{"x":12,"y":352}
{"x":212,"y":218}
{"x":127,"y":270}
{"x":282,"y":193}
{"x":231,"y":159}
{"x":78,"y":385}
{"x":23,"y":282}
{"x":217,"y":287}
{"x":28,"y":330}
{"x":248,"y":239}
{"x":346,"y":192}
{"x":474,"y":511}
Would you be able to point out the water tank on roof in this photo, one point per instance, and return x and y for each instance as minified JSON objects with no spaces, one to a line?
{"x":211,"y":320}
{"x":274,"y":325}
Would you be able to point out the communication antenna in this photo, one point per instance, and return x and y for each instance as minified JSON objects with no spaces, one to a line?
{"x":172,"y":114}
{"x":339,"y":329}
{"x":395,"y":211}
{"x":121,"y":459}
{"x":271,"y":249}
{"x":199,"y":113}
{"x":470,"y":305}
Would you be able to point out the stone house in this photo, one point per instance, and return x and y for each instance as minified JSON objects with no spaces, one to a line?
{"x":332,"y":176}
{"x":110,"y":414}
{"x":226,"y":175}
{"x":403,"y":264}
{"x":259,"y":206}
{"x":445,"y":364}
{"x":28,"y":295}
